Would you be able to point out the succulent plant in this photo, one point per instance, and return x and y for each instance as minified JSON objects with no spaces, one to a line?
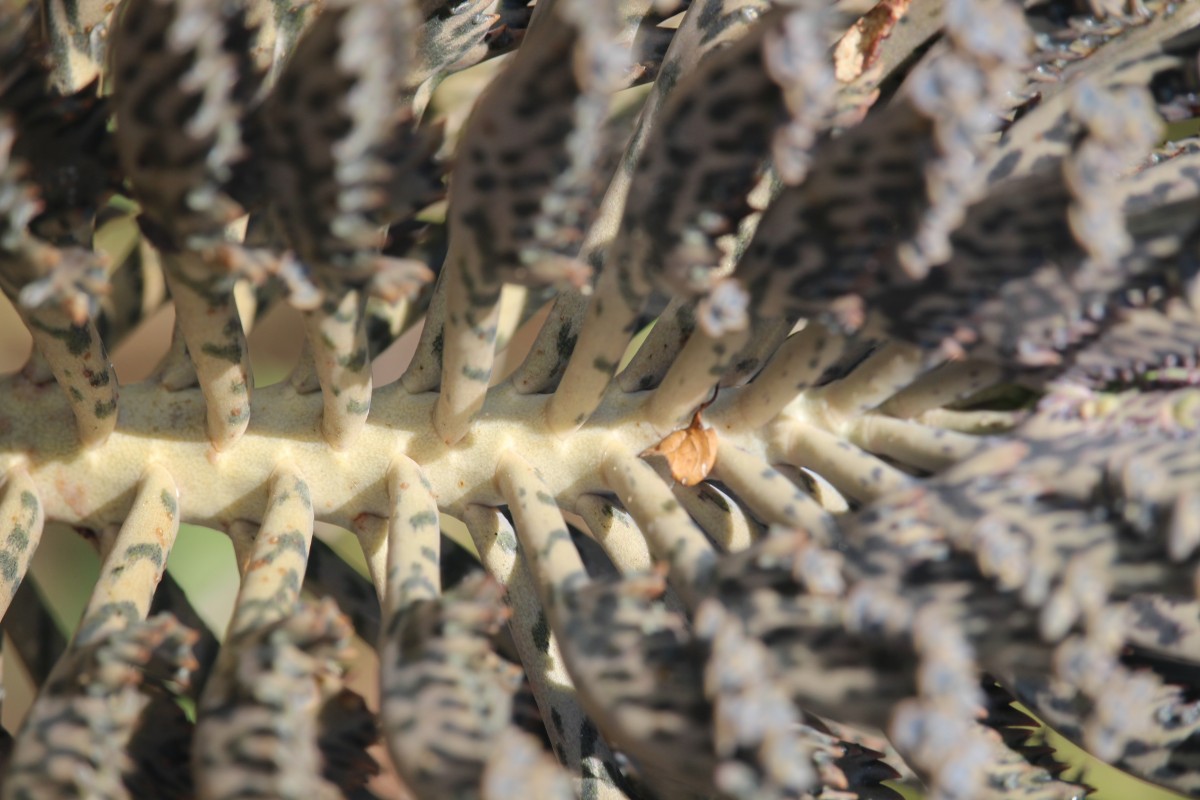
{"x":860,"y":402}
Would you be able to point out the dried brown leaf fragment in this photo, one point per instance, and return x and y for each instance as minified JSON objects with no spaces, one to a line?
{"x":690,"y":452}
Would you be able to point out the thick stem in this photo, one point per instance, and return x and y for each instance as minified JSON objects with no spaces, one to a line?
{"x":414,"y":540}
{"x":372,"y":534}
{"x":517,"y":304}
{"x":719,"y":515}
{"x":947,"y":384}
{"x":543,"y":368}
{"x":271,"y":583}
{"x":615,"y":531}
{"x":852,"y":471}
{"x":670,"y":532}
{"x":86,"y":487}
{"x":208,"y":319}
{"x":605,"y":333}
{"x":21,"y":523}
{"x":692,"y":376}
{"x":575,"y":739}
{"x":930,"y":449}
{"x":545,"y":540}
{"x":770,"y":495}
{"x":798,"y":363}
{"x":339,"y":345}
{"x":650,"y":363}
{"x":81,"y":367}
{"x":135,"y":562}
{"x":176,"y":372}
{"x":468,"y":352}
{"x":976,"y":422}
{"x":766,"y":337}
{"x":425,"y":370}
{"x":887,"y":371}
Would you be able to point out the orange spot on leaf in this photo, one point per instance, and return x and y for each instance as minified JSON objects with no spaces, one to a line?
{"x":690,"y":452}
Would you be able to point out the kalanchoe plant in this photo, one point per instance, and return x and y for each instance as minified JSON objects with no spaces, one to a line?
{"x":912,"y":437}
